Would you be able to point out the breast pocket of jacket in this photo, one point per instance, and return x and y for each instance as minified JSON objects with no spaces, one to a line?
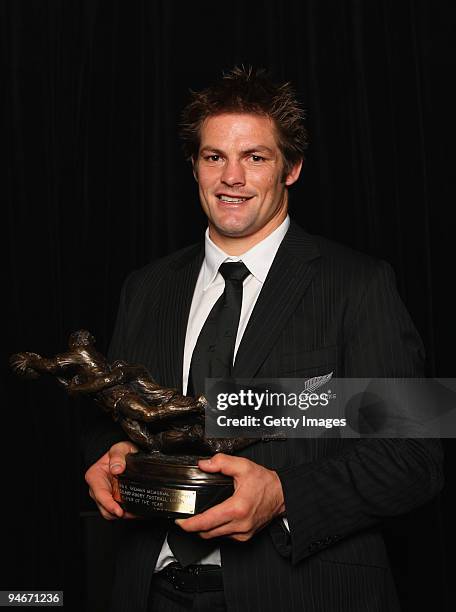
{"x":304,"y":364}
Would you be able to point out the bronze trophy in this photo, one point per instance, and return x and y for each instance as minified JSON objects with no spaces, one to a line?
{"x":163,"y":478}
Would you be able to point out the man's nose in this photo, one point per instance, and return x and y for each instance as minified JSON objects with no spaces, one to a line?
{"x":233,"y":174}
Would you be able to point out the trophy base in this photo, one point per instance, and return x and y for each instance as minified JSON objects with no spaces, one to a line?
{"x":168,"y":486}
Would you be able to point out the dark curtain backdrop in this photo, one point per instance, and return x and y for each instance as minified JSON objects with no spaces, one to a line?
{"x":93,"y":184}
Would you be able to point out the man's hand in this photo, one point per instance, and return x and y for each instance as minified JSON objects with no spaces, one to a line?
{"x":257,"y":499}
{"x":99,"y":477}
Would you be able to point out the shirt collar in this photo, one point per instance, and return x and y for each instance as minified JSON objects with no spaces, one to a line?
{"x":258,"y":259}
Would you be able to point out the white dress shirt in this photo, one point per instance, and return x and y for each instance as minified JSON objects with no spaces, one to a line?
{"x":209,"y":287}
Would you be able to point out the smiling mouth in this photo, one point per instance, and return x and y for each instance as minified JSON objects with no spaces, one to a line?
{"x":232,"y":199}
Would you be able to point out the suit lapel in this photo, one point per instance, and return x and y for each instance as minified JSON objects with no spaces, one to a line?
{"x":289,"y":276}
{"x":175,"y":302}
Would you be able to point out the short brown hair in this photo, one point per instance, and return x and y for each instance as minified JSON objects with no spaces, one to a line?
{"x":248,"y":90}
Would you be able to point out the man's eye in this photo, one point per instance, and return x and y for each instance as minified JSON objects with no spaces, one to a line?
{"x":213,"y":158}
{"x":257,"y":158}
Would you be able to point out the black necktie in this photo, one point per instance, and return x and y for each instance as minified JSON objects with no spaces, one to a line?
{"x":214,"y":349}
{"x":212,"y":358}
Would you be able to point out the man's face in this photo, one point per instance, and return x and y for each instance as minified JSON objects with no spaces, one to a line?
{"x":239,"y":170}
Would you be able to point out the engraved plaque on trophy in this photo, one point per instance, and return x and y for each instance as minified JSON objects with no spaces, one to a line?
{"x":171,"y":486}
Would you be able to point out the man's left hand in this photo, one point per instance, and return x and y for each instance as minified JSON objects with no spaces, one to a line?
{"x":257,"y":499}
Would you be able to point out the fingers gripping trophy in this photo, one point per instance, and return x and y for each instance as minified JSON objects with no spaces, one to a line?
{"x":163,"y":478}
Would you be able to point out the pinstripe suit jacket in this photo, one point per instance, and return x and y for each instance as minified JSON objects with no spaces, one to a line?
{"x":322,"y":308}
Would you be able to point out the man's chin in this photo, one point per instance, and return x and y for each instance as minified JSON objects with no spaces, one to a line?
{"x":232,"y":230}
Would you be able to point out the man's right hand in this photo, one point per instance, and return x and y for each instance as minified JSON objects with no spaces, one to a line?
{"x":100,"y":475}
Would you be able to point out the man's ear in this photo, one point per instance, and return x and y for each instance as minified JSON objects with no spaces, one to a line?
{"x":195,"y":168}
{"x":294,"y":173}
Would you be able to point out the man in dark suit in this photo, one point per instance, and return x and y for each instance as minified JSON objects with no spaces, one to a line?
{"x":301,"y":530}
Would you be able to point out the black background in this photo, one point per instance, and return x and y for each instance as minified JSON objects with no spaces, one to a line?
{"x":94,"y":184}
